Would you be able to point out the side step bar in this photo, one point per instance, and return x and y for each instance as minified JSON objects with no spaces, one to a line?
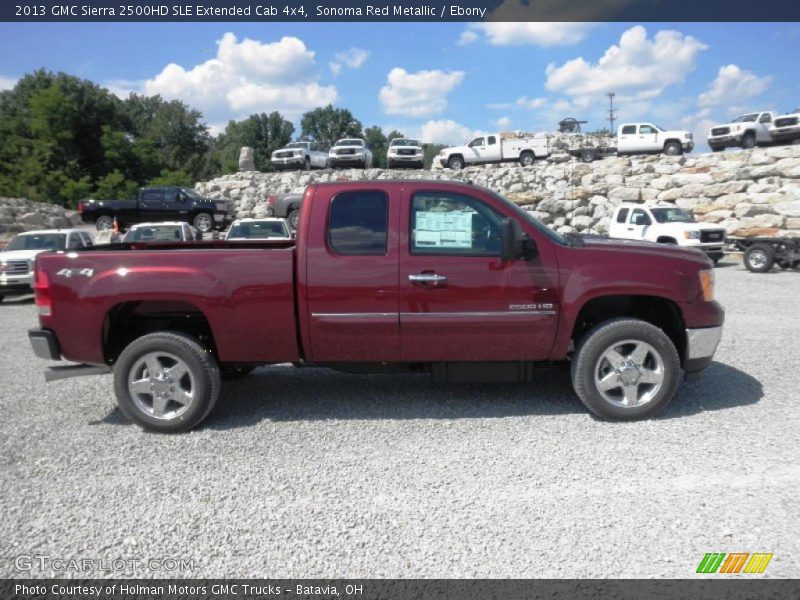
{"x":67,"y":371}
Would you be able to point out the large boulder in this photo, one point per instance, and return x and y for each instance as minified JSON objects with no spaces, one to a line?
{"x":247,"y":159}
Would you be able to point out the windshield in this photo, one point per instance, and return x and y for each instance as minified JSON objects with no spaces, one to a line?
{"x":301,"y":145}
{"x":544,"y":229}
{"x":672,"y":215}
{"x":257,"y":230}
{"x":163,"y":233}
{"x":746,"y":118}
{"x":402,"y":142}
{"x":349,"y":143}
{"x":38,"y":241}
{"x":659,"y":127}
{"x":192,"y":194}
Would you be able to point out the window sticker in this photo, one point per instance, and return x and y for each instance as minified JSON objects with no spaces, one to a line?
{"x":444,"y":230}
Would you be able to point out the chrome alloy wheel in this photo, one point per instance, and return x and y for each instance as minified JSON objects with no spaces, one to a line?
{"x":757,"y":259}
{"x":629,"y":373}
{"x":161,"y":385}
{"x":203,"y":223}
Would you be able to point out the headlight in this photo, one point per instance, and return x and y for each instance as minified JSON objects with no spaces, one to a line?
{"x":691,"y":235}
{"x":737,"y":127}
{"x":392,"y":152}
{"x":707,"y":284}
{"x":298,"y":153}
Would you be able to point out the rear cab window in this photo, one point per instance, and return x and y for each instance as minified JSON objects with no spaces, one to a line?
{"x":622,"y":215}
{"x":358,"y":223}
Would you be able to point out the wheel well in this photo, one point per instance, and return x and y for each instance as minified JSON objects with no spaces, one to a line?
{"x":657,"y":311}
{"x":665,"y":239}
{"x":455,"y":156}
{"x":128,"y":321}
{"x":677,"y":141}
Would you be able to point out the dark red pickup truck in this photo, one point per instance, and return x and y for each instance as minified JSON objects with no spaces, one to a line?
{"x":385,"y":276}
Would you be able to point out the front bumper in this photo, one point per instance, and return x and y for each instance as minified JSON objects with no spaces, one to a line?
{"x":344,"y":159}
{"x":44,"y":344}
{"x":16,"y":284}
{"x":701,"y":344}
{"x":731,"y":139}
{"x":293,"y":161}
{"x":791,"y":132}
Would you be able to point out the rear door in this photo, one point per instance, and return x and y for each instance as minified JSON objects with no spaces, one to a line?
{"x":459,"y":301}
{"x":627,"y":138}
{"x":351,"y":273}
{"x":151,"y":205}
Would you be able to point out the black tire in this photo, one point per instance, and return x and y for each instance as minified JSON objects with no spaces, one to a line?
{"x":673,"y":148}
{"x":330,"y":164}
{"x":231,"y":372}
{"x":104,"y":223}
{"x":588,"y":155}
{"x":390,"y":164}
{"x":202,"y":372}
{"x":2,"y":298}
{"x":203,"y":222}
{"x":526,"y":159}
{"x":589,"y":361}
{"x":759,"y":258}
{"x":307,"y":164}
{"x":716,"y":148}
{"x":293,"y":218}
{"x":749,"y":140}
{"x":456,"y":163}
{"x":420,"y":165}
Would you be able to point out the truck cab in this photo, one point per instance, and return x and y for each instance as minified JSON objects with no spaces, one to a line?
{"x":666,"y":224}
{"x":643,"y":138}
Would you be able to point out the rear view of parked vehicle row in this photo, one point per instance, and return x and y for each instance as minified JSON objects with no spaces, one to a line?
{"x":430,"y":277}
{"x":159,"y":204}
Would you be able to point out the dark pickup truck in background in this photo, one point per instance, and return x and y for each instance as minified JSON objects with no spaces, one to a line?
{"x":385,"y":276}
{"x":155,"y":204}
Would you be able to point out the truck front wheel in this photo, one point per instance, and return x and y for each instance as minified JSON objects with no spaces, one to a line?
{"x":166,"y":382}
{"x":749,"y":140}
{"x":759,"y":258}
{"x":625,"y":369}
{"x":673,"y":148}
{"x":204,"y":222}
{"x":456,"y":163}
{"x":588,"y":155}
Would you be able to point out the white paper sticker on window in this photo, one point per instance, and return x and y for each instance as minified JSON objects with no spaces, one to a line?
{"x":444,"y":230}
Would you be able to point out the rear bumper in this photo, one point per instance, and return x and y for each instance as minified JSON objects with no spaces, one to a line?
{"x":701,"y":344}
{"x":44,"y":344}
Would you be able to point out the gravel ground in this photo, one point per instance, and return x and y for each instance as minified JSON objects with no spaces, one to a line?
{"x":317,"y":474}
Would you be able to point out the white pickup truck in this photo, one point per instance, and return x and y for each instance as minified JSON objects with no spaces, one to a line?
{"x":786,"y":128}
{"x":643,"y":138}
{"x":745,"y":131}
{"x":299,"y":155}
{"x":495,"y":148}
{"x":666,"y":225}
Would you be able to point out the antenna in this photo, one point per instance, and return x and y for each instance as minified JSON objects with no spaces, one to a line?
{"x":612,"y":112}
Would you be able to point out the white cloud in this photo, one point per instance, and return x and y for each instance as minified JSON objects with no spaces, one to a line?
{"x":467,"y":37}
{"x":444,"y":131}
{"x":419,"y":94}
{"x":502,"y":123}
{"x":7,"y":83}
{"x":639,"y":68}
{"x":733,"y":84}
{"x":354,"y":58}
{"x":526,"y":33}
{"x":532,"y":103}
{"x":245,"y":77}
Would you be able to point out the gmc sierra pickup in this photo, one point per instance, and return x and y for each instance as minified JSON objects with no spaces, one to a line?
{"x":384,"y":276}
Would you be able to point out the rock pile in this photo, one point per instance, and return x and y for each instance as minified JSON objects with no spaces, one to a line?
{"x":18,"y":214}
{"x":749,"y":192}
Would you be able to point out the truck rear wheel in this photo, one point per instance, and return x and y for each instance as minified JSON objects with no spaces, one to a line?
{"x":104,"y":223}
{"x":588,"y":155}
{"x":526,"y":159}
{"x":625,"y":369}
{"x":456,"y":163}
{"x":293,"y":218}
{"x":203,"y":222}
{"x":166,"y":382}
{"x":759,"y":258}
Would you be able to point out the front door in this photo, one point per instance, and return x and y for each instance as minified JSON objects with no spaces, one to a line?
{"x":176,"y":205}
{"x":459,"y":300}
{"x":351,"y":274}
{"x":639,"y":222}
{"x":151,"y":206}
{"x":648,"y":139}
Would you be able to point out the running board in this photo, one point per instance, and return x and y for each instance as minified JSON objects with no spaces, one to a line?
{"x":67,"y":371}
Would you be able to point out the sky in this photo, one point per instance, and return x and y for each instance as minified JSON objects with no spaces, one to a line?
{"x":440,"y":82}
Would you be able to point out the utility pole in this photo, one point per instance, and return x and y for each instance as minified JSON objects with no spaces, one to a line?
{"x":612,"y":112}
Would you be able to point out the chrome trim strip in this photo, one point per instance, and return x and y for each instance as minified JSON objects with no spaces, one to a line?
{"x":354,"y":315}
{"x":499,"y":313}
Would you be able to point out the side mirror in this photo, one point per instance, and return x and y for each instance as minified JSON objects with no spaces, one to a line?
{"x":515,"y":243}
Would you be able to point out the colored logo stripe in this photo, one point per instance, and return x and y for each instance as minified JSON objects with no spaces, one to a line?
{"x":758,"y":563}
{"x":711,"y":562}
{"x":734,"y":563}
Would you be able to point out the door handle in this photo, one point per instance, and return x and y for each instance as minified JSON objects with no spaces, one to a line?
{"x":427,"y":278}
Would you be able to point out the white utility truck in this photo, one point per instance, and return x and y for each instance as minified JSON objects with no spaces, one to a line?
{"x":495,"y":148}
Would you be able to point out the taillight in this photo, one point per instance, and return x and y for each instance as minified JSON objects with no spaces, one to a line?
{"x":41,"y":289}
{"x":271,"y":201}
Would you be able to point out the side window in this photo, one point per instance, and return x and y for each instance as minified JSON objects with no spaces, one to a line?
{"x":629,"y":130}
{"x":358,"y":223}
{"x":640,"y":217}
{"x":622,"y":215}
{"x":172,"y":196}
{"x":646,"y":129}
{"x":74,"y":242}
{"x":453,"y":224}
{"x":152,"y":198}
{"x":765,"y":118}
{"x":492,"y":140}
{"x":87,"y":240}
{"x":476,"y":143}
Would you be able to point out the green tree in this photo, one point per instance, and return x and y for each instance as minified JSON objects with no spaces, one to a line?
{"x":328,"y":124}
{"x":377,"y":142}
{"x":431,"y":150}
{"x":264,"y":133}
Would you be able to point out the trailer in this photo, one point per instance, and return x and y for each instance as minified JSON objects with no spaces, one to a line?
{"x":763,"y":253}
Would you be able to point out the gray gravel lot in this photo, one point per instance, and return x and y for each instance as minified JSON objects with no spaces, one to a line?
{"x":311,"y":473}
